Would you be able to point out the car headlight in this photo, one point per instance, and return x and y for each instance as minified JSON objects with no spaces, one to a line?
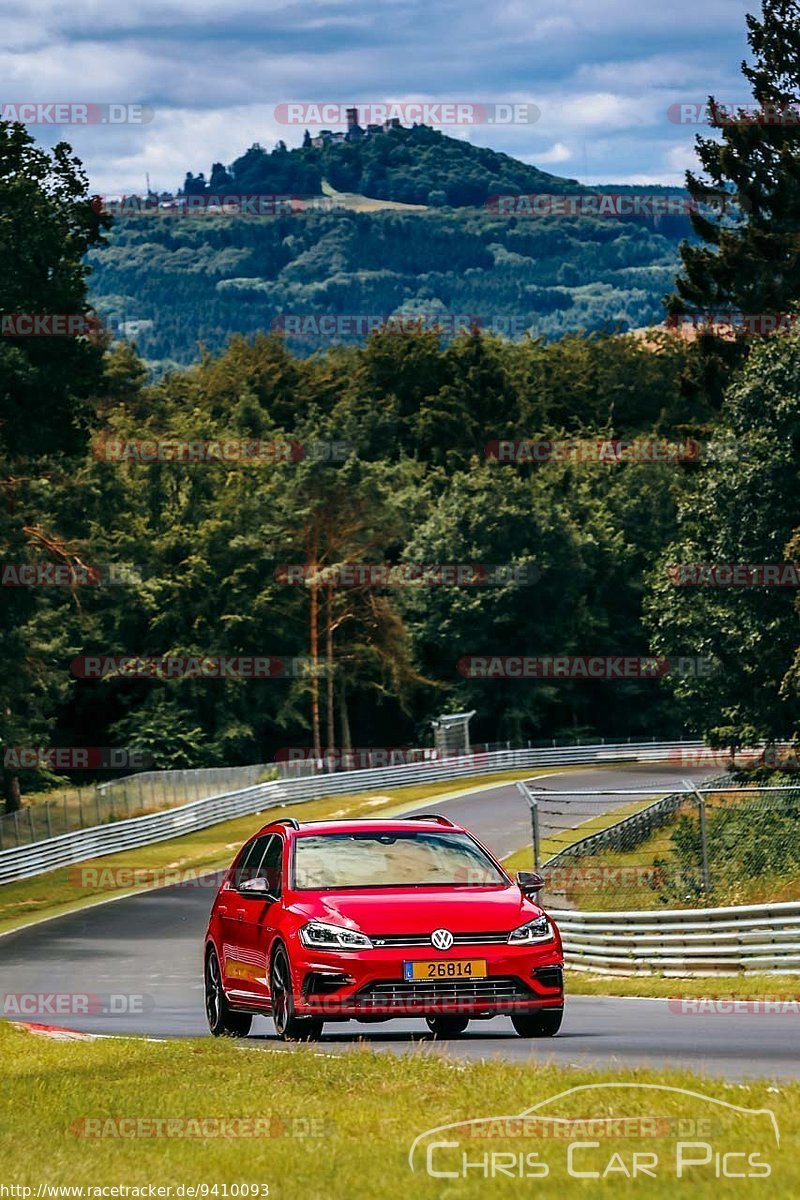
{"x":538,"y":930}
{"x":320,"y":936}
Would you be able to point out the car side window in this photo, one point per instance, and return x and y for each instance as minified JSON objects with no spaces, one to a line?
{"x":249,"y":862}
{"x":271,"y":864}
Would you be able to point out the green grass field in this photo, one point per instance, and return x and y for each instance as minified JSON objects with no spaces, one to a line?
{"x":736,"y":987}
{"x":323,"y":1126}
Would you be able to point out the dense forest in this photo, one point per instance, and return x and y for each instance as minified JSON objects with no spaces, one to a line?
{"x":410,"y":478}
{"x":172,"y":283}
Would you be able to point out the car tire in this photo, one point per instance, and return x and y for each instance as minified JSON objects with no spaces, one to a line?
{"x":223,"y":1021}
{"x":544,"y":1023}
{"x":288,"y":1027}
{"x":446,"y":1027}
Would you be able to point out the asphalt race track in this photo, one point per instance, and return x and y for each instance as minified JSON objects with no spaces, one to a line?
{"x":147,"y":949}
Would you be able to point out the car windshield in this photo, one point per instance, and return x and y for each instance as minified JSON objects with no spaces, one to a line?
{"x":403,"y":859}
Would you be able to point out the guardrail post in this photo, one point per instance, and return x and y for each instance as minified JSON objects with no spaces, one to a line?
{"x":30,"y":822}
{"x":49,"y":822}
{"x":534,"y":808}
{"x":701,"y":820}
{"x":701,"y":812}
{"x":535,"y":833}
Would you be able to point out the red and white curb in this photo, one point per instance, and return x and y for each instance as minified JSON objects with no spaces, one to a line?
{"x":55,"y":1031}
{"x":58,"y":1034}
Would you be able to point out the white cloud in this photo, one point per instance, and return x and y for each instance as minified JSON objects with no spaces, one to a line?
{"x":682,"y":158}
{"x":603,"y":75}
{"x":557,"y":153}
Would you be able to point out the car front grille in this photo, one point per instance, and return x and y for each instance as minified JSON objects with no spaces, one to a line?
{"x":391,"y":940}
{"x":389,"y":992}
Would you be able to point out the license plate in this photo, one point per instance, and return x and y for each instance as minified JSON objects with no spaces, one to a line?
{"x":446,"y":968}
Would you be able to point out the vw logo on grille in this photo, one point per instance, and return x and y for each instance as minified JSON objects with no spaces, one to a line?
{"x":442,"y":939}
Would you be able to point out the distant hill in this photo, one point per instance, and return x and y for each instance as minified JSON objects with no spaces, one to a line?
{"x":170,"y":280}
{"x":419,"y":165}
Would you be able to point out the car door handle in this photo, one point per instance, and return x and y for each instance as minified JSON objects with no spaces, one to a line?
{"x":222,"y":909}
{"x":240,"y":914}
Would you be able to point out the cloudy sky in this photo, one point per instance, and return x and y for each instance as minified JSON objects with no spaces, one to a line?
{"x":602,"y":75}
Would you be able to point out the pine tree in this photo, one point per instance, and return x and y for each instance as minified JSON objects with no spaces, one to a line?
{"x":47,"y":385}
{"x":750,"y":264}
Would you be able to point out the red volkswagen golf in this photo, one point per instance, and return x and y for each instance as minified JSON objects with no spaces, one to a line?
{"x":368,"y":920}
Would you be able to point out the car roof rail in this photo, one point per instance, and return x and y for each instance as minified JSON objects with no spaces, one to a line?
{"x":431,"y":817}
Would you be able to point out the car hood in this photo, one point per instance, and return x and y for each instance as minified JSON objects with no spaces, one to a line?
{"x":421,"y":910}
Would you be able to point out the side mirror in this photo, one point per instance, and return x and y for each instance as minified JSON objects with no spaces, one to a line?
{"x":529,"y":882}
{"x":258,"y":887}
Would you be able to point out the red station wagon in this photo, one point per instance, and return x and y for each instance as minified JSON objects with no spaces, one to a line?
{"x":368,"y":920}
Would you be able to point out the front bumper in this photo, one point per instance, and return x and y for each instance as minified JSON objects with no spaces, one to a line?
{"x":371,"y":983}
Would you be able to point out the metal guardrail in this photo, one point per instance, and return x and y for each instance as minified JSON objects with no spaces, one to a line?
{"x":638,"y":826}
{"x":82,"y":805}
{"x":682,"y":870}
{"x":21,"y":862}
{"x":759,"y":939}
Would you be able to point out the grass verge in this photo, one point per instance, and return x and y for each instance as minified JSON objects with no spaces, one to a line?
{"x":736,"y":987}
{"x":522,"y":860}
{"x":333,"y":1126}
{"x":130,"y":871}
{"x":753,"y":858}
